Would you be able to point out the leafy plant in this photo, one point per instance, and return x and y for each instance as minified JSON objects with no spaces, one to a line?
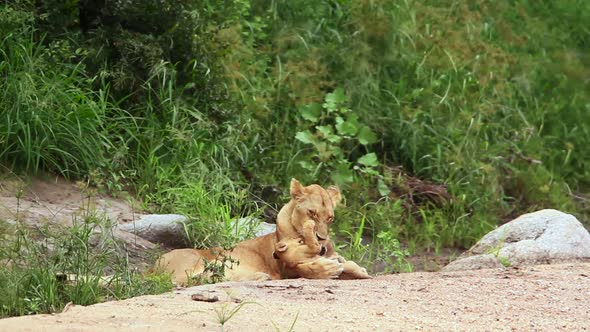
{"x":336,"y":130}
{"x":381,"y":250}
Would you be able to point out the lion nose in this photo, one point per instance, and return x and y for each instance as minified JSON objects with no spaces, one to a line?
{"x":323,"y":251}
{"x":321,"y":238}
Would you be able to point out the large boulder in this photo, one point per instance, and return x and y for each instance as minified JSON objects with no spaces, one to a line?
{"x":254,"y":226}
{"x":168,"y":229}
{"x":542,"y":237}
{"x":165,"y":229}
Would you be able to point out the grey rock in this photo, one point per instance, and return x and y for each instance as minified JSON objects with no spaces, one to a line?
{"x":542,"y":237}
{"x":265,"y":228}
{"x":166,"y":229}
{"x":249,"y":225}
{"x":477,"y":262}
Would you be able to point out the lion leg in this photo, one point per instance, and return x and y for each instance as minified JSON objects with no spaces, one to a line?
{"x":309,"y":237}
{"x":300,"y":261}
{"x":351,"y":269}
{"x":320,"y":268}
{"x":249,"y":276}
{"x":182,"y":264}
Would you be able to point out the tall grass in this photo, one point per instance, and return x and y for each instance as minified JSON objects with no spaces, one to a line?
{"x":42,"y":272}
{"x":488,"y":98}
{"x":50,"y":118}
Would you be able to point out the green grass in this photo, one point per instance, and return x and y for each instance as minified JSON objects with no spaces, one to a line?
{"x":50,"y":118}
{"x":198,"y":114}
{"x":42,"y":272}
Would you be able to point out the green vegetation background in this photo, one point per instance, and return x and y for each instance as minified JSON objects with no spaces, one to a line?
{"x":198,"y":107}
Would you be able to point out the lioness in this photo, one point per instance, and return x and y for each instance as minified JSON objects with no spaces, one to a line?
{"x":307,"y":217}
{"x":255,"y":256}
{"x":305,"y":221}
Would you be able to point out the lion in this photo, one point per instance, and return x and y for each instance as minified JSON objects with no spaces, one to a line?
{"x":307,"y":216}
{"x":295,"y":258}
{"x":305,"y":221}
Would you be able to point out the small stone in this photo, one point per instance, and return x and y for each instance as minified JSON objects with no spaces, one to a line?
{"x":203,"y":297}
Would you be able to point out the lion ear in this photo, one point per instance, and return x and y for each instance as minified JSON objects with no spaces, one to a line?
{"x":296,"y":189}
{"x":335,"y":196}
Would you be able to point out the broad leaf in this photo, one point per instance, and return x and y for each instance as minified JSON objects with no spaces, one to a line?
{"x":366,"y":136}
{"x":311,"y":112}
{"x":342,"y":175}
{"x":369,"y":160}
{"x":325,"y":151}
{"x":328,"y":133}
{"x":334,"y":99}
{"x":382,"y":188}
{"x":305,"y":137}
{"x":325,"y":130}
{"x":349,"y":127}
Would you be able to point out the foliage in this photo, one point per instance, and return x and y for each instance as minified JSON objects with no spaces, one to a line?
{"x":42,"y":276}
{"x":336,"y":129}
{"x":47,"y":112}
{"x":383,"y":252}
{"x":225,"y":312}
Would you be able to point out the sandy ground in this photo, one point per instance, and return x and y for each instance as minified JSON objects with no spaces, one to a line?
{"x":538,"y":298}
{"x":55,"y":200}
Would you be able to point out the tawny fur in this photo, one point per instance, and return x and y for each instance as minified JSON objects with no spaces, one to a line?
{"x":305,"y":221}
{"x":296,"y":258}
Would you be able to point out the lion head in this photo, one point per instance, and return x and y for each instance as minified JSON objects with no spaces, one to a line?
{"x":315,"y":203}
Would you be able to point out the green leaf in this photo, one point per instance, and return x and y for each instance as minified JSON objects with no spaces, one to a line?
{"x":366,"y":136}
{"x":325,"y":130}
{"x":342,"y":175}
{"x":311,"y":112}
{"x":369,"y":160}
{"x":305,"y":137}
{"x":334,"y":99}
{"x":349,"y":127}
{"x":334,"y":139}
{"x":307,"y":165}
{"x":382,"y":188}
{"x":328,"y":133}
{"x":324,"y":151}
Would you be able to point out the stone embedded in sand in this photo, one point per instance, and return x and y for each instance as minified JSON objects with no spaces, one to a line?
{"x":477,"y":262}
{"x":542,"y":237}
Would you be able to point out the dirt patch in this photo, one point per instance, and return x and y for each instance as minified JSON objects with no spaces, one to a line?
{"x":431,"y":261}
{"x":537,"y":298}
{"x":54,"y":201}
{"x":38,"y":201}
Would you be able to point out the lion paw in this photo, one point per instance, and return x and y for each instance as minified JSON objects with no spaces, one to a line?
{"x":321,"y":268}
